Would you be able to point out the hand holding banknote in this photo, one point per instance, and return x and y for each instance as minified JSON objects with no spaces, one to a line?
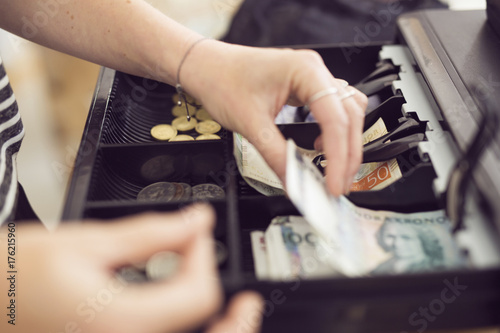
{"x":270,"y":78}
{"x":370,"y":176}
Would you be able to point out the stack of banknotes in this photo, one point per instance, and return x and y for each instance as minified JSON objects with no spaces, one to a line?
{"x":256,"y":172}
{"x":334,"y":237}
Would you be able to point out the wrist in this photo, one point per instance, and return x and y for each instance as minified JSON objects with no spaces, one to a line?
{"x":202,"y":67}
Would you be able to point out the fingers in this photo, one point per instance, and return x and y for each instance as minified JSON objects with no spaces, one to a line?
{"x":293,"y":101}
{"x":271,"y":144}
{"x":355,"y":106}
{"x":182,"y":302}
{"x":137,"y":238}
{"x":334,"y":123}
{"x":340,"y":118}
{"x":187,"y":300}
{"x":243,"y":315}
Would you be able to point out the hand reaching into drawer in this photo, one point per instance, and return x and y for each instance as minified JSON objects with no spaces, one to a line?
{"x":244,"y":89}
{"x":69,"y":280}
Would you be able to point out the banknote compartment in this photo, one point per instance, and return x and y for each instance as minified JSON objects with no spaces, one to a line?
{"x":303,"y":134}
{"x":122,"y":171}
{"x":411,"y":193}
{"x":252,"y":219}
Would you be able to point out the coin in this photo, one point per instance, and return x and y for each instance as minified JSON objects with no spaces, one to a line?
{"x":163,"y":132}
{"x":203,"y":114}
{"x":208,"y":127}
{"x":208,"y":191}
{"x":175,"y":98}
{"x":180,"y":110}
{"x":159,"y":167}
{"x":131,"y":275}
{"x":208,"y":137}
{"x":162,"y":265}
{"x":161,"y":191}
{"x":183,"y":191}
{"x":183,"y":124}
{"x":182,"y":137}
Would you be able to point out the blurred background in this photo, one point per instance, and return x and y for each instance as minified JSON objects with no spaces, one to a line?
{"x":54,"y":93}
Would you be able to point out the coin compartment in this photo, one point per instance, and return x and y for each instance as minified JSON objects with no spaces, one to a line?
{"x":123,"y":170}
{"x":135,"y":106}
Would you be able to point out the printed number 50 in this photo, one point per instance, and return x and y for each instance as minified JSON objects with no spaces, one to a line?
{"x":378,"y":176}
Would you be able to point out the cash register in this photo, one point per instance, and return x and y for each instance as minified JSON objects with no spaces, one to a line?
{"x":442,"y":71}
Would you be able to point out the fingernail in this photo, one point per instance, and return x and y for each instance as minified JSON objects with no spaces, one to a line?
{"x":344,"y":83}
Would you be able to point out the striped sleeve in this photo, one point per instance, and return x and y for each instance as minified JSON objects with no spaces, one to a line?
{"x":11,"y":135}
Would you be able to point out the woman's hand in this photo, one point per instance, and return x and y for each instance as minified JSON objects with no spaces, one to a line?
{"x":244,"y":88}
{"x":67,"y":280}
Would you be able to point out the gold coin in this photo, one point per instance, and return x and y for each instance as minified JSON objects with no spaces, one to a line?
{"x":175,"y":98}
{"x":203,"y":114}
{"x":208,"y":137}
{"x":163,"y":132}
{"x":180,"y":110}
{"x":183,"y":125}
{"x":182,"y":137}
{"x":208,"y":127}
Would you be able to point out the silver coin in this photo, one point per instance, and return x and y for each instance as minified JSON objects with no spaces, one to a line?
{"x":220,"y":252}
{"x":159,"y":167}
{"x":183,"y":191}
{"x":131,"y":274}
{"x":162,"y":265}
{"x":162,"y":191}
{"x":208,"y":191}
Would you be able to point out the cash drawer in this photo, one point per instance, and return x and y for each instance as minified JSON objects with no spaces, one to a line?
{"x":118,"y":158}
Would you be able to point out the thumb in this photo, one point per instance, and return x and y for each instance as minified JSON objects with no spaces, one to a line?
{"x":137,"y":238}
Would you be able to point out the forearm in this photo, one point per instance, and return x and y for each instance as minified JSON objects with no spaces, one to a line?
{"x":127,"y":35}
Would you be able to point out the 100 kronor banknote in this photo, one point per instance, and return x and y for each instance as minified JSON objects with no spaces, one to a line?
{"x":337,"y":238}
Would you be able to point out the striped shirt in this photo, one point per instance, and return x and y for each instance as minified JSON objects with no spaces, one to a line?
{"x":11,"y":135}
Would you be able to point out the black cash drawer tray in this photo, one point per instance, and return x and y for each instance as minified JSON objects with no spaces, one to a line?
{"x":110,"y":171}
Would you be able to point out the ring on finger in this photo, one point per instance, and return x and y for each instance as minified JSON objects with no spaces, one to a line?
{"x":321,"y":94}
{"x":348,"y":94}
{"x":326,"y":92}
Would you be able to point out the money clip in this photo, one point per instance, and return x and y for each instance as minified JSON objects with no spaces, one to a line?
{"x":383,"y":68}
{"x":402,"y":139}
{"x":394,"y":102}
{"x":376,"y":85}
{"x":405,"y":137}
